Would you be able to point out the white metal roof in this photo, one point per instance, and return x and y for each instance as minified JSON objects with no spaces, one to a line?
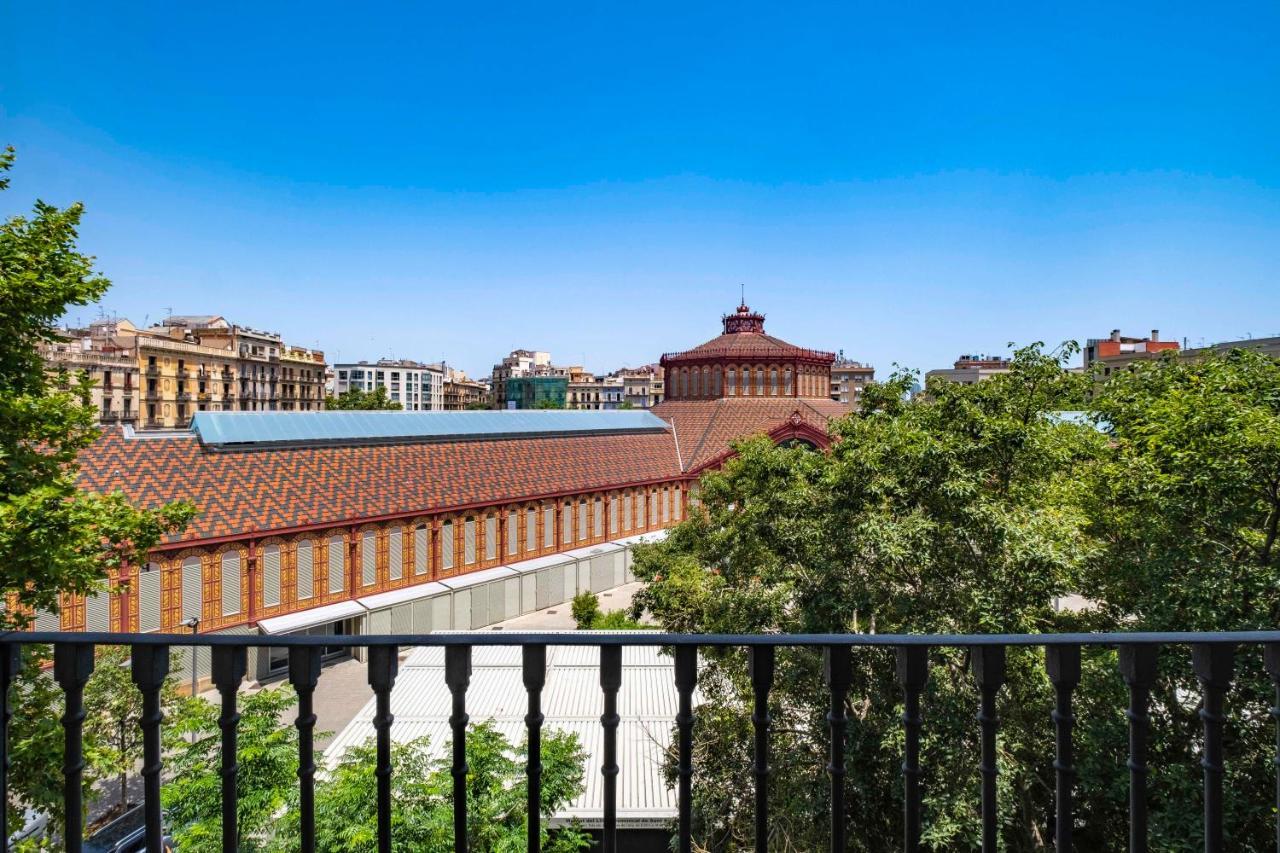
{"x":473,"y":578}
{"x":399,"y":596}
{"x":651,"y":536}
{"x":310,"y":618}
{"x":535,"y":563}
{"x":572,"y":702}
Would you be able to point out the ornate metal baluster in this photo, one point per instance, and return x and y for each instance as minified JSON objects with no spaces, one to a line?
{"x":535,"y":677}
{"x":762,"y":664}
{"x":229,"y":664}
{"x":72,"y":665}
{"x":457,"y":675}
{"x":1214,"y":665}
{"x":10,"y":666}
{"x":304,"y":674}
{"x":383,"y":664}
{"x":686,"y":680}
{"x":988,"y":664}
{"x":838,"y":670}
{"x":150,"y":668}
{"x":1138,"y":668}
{"x":913,"y":674}
{"x":610,"y":682}
{"x":1063,"y":665}
{"x":1271,"y":659}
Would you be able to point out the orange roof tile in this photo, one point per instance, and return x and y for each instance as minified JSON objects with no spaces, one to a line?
{"x":705,"y":428}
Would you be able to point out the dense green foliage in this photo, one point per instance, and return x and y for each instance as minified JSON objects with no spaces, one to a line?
{"x":54,"y":538}
{"x":422,"y":797}
{"x":970,"y":509}
{"x":267,"y":755}
{"x":588,"y":616}
{"x":355,"y":399}
{"x":112,"y":735}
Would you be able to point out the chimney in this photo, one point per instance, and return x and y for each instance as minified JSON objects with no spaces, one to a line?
{"x":1155,"y":335}
{"x":1115,"y":334}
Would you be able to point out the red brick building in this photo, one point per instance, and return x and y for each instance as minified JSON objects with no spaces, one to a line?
{"x":382,"y":522}
{"x":744,"y":382}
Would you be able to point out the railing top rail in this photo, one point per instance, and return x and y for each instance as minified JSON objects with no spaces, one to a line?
{"x":645,"y":638}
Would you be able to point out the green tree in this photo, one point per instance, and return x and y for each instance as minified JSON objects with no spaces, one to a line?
{"x":267,"y":756}
{"x":54,"y":538}
{"x":549,"y":404}
{"x":958,"y":512}
{"x":422,"y":797}
{"x":355,"y":399}
{"x":585,"y":608}
{"x":969,"y":509}
{"x":112,"y":735}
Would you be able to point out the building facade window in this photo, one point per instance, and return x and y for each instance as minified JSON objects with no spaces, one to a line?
{"x":395,"y":554}
{"x":490,"y":537}
{"x":468,"y":541}
{"x":230,"y":583}
{"x":337,"y":564}
{"x":731,"y":382}
{"x":513,"y":533}
{"x":446,"y":545}
{"x":271,"y":576}
{"x":304,"y":558}
{"x":369,"y":558}
{"x":421,"y":550}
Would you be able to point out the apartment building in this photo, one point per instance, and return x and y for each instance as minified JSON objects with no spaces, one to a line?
{"x":1117,"y":351}
{"x":848,"y":378}
{"x":552,"y":384}
{"x":969,"y":369}
{"x":594,"y":393}
{"x":116,"y":391}
{"x":461,"y":392}
{"x":642,"y":387}
{"x":417,"y":387}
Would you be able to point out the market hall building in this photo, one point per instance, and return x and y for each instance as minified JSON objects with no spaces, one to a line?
{"x":337,"y":523}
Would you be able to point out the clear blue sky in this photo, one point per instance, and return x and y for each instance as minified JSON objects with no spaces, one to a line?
{"x":903,"y":181}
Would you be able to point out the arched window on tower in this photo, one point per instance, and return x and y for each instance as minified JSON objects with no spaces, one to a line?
{"x":697,"y":383}
{"x":759,"y":381}
{"x":773,"y":381}
{"x":715,"y":382}
{"x":706,"y":381}
{"x":786,"y":381}
{"x":731,"y":382}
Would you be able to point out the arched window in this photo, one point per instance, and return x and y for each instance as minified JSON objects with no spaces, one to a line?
{"x":697,"y":383}
{"x":468,"y":541}
{"x":715,"y":382}
{"x":786,"y":381}
{"x":421,"y":550}
{"x":271,"y":576}
{"x":230,"y":583}
{"x":305,"y":564}
{"x":192,"y":588}
{"x":773,"y":381}
{"x":447,"y":537}
{"x":368,"y":558}
{"x":731,"y":382}
{"x":337,"y":563}
{"x":759,"y":381}
{"x":706,"y":381}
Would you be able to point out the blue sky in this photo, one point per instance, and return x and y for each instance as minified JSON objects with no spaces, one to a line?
{"x":903,"y":181}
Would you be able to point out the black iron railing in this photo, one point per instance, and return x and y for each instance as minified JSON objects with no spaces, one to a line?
{"x":1212,"y":655}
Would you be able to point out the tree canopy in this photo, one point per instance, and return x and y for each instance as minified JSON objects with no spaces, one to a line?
{"x":54,"y":538}
{"x":354,"y":399}
{"x":973,"y":509}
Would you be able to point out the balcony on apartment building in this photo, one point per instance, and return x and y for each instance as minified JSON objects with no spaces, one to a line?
{"x":1213,"y":656}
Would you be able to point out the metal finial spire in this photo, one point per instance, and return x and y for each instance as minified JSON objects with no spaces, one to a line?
{"x":742,"y":289}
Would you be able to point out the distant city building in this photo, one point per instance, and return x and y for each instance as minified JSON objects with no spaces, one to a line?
{"x":848,"y":378}
{"x":532,"y":392}
{"x":642,"y":387}
{"x":116,"y":392}
{"x":1267,"y":346}
{"x":270,"y":374}
{"x":417,"y":387}
{"x":969,"y":369}
{"x":461,"y":392}
{"x":1117,"y":351}
{"x":594,"y":393}
{"x":158,"y":378}
{"x":526,"y":364}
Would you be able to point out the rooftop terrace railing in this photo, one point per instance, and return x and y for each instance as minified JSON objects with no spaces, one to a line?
{"x":1212,"y":656}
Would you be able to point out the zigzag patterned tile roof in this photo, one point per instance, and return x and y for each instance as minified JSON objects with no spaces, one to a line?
{"x":263,"y":490}
{"x":705,"y":428}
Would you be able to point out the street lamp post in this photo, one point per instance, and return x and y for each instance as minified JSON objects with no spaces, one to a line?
{"x":194,"y":624}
